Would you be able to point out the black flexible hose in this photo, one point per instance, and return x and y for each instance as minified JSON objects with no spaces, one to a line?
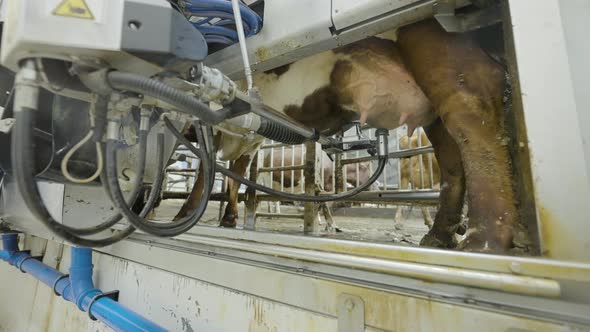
{"x":306,"y":198}
{"x":174,"y":228}
{"x":137,"y":184}
{"x":295,"y":197}
{"x":24,"y":173}
{"x":158,"y":90}
{"x":100,"y":119}
{"x":101,"y":108}
{"x":279,"y":133}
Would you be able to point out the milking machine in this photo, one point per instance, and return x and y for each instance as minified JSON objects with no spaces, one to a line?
{"x":100,"y":100}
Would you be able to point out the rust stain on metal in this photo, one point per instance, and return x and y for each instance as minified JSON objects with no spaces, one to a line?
{"x":552,"y":235}
{"x":266,"y":53}
{"x":262,"y":54}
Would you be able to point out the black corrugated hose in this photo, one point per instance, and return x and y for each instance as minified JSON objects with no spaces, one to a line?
{"x":168,"y":229}
{"x":161,"y":91}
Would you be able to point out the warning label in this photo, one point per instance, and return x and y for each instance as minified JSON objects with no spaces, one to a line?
{"x":74,"y":8}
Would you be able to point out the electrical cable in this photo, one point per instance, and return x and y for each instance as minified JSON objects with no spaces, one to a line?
{"x":24,"y":173}
{"x":170,"y":229}
{"x":99,"y":162}
{"x":216,"y":15}
{"x":295,"y":197}
{"x":161,"y":91}
{"x":100,"y":125}
{"x":306,"y":198}
{"x":23,"y":162}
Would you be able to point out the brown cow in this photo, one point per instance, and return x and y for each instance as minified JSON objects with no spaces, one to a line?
{"x":415,"y":173}
{"x":442,"y":81}
{"x":295,"y":157}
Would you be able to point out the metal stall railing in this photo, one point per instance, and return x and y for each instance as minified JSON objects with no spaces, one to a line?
{"x":408,"y":179}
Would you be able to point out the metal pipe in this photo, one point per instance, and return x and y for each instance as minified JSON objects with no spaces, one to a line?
{"x":78,"y":287}
{"x":392,"y":155}
{"x":273,"y":145}
{"x":281,"y":168}
{"x":441,"y":274}
{"x":242,"y":41}
{"x":273,"y":115}
{"x":279,"y":215}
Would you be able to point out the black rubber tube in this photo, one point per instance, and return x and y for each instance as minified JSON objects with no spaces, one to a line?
{"x":137,"y":184}
{"x":279,"y":133}
{"x":24,"y":173}
{"x":174,"y":228}
{"x":295,"y":197}
{"x":100,"y":119}
{"x":306,"y":198}
{"x":158,"y":90}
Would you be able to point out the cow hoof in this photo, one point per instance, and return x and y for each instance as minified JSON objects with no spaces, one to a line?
{"x":180,"y":215}
{"x":433,"y":241}
{"x":477,"y":241}
{"x":473,"y":242}
{"x":461,"y":228}
{"x":228,"y":221}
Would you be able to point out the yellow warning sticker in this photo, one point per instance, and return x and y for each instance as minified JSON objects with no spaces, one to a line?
{"x":74,"y":8}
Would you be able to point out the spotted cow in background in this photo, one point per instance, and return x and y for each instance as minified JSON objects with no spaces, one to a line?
{"x":441,"y":81}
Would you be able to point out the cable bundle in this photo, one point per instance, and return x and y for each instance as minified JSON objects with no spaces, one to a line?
{"x":215,"y":20}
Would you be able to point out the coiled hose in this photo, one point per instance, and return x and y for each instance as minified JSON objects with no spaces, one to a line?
{"x":173,"y":228}
{"x":215,"y":20}
{"x":137,"y":184}
{"x":99,"y":128}
{"x":24,"y":173}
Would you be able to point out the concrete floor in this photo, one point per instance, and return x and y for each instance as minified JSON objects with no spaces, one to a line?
{"x":369,"y":224}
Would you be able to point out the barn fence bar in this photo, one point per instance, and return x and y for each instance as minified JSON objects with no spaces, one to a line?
{"x":392,"y":155}
{"x":314,"y":174}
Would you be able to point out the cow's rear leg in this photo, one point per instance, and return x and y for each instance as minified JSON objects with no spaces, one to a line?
{"x":491,"y":200}
{"x":192,"y":202}
{"x":427,"y":217}
{"x":230,"y":217}
{"x":466,"y":89}
{"x":452,"y":189}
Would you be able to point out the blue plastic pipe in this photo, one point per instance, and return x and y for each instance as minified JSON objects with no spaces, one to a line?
{"x":78,"y":287}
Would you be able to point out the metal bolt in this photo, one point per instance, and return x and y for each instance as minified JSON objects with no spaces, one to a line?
{"x":515,"y":267}
{"x":349,"y":305}
{"x":470,"y":301}
{"x":134,"y":25}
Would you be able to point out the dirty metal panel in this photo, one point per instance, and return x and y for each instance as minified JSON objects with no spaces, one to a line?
{"x":289,"y":27}
{"x":575,"y":15}
{"x":558,"y":164}
{"x":297,"y":29}
{"x":526,"y":266}
{"x":351,"y":313}
{"x":14,"y":211}
{"x":346,"y":13}
{"x":383,"y":309}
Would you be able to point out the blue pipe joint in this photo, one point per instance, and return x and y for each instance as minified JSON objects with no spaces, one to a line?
{"x":11,"y":252}
{"x":10,"y":242}
{"x":78,"y":288}
{"x":81,"y":277}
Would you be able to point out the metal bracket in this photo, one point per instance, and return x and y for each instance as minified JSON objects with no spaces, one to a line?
{"x":6,"y":125}
{"x":351,"y":313}
{"x":113,"y":295}
{"x":444,"y":12}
